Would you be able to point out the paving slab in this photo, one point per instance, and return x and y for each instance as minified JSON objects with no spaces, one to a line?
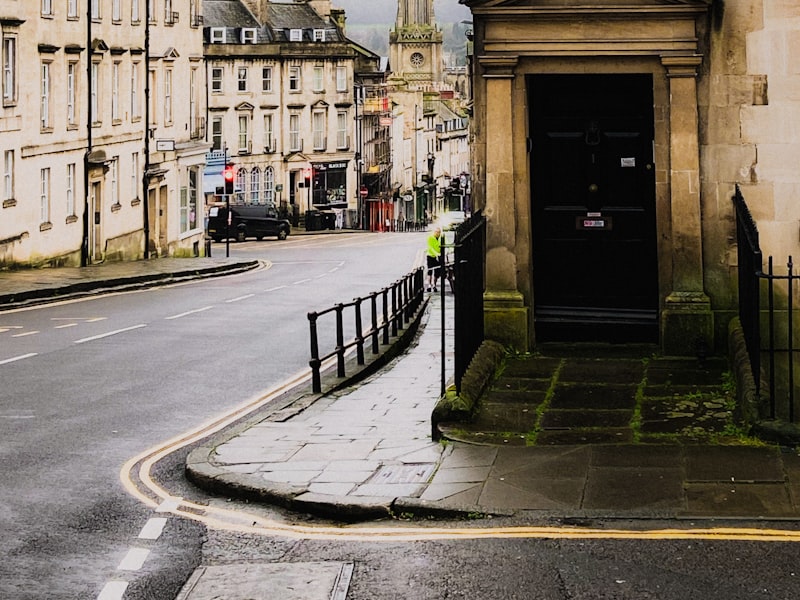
{"x":260,"y":581}
{"x":734,"y":463}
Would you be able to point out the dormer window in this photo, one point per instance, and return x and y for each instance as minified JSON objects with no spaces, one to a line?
{"x":319,"y":35}
{"x":217,"y":35}
{"x":295,"y":35}
{"x":249,"y":35}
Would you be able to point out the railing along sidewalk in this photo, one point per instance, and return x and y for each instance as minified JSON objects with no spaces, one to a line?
{"x":390,"y":309}
{"x":779,"y":345}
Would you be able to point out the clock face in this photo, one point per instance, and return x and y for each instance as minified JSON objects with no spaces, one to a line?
{"x":417,"y":59}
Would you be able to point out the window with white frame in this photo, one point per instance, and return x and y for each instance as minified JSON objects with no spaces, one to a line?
{"x":241,"y":79}
{"x":44,"y":195}
{"x":319,"y":35}
{"x":134,"y":175}
{"x":269,"y":140}
{"x":216,"y":79}
{"x":47,"y":8}
{"x":168,"y":12}
{"x":189,"y":200}
{"x":216,"y":133}
{"x":136,"y":102}
{"x":266,"y":79}
{"x":295,"y":35}
{"x":72,"y":93}
{"x":244,"y":133}
{"x":341,"y":129}
{"x":153,"y":103}
{"x":319,"y":78}
{"x":248,"y":35}
{"x":8,"y":175}
{"x":115,"y":72}
{"x":294,"y":79}
{"x":72,"y":9}
{"x":269,"y":186}
{"x":114,"y":180}
{"x":94,"y":93}
{"x":152,"y":9}
{"x":116,"y":11}
{"x":44,"y":95}
{"x":194,"y":122}
{"x":70,"y":189}
{"x":240,"y":186}
{"x":217,"y":35}
{"x":294,"y":133}
{"x":341,"y":78}
{"x":168,"y":96}
{"x":318,"y":129}
{"x":136,"y":16}
{"x":255,"y":185}
{"x":95,"y":9}
{"x":9,"y":69}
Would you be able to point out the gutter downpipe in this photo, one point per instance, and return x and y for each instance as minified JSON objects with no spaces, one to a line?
{"x":87,"y":154}
{"x":145,"y":176}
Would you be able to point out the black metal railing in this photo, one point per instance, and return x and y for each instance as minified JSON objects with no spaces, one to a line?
{"x":779,"y":329}
{"x":469,"y":260}
{"x":388,"y":311}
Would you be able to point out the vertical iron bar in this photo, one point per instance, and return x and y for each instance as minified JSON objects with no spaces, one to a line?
{"x":374,"y":304}
{"x":314,"y":363}
{"x":339,"y":341}
{"x":385,"y":293}
{"x":394,"y":309}
{"x":771,"y":350}
{"x":359,"y":334}
{"x":790,"y":267}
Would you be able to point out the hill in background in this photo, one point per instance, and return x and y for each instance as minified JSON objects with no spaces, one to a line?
{"x":369,"y":22}
{"x":384,"y":12}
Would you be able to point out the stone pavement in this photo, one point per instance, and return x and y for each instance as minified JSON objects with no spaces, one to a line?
{"x":366,"y":451}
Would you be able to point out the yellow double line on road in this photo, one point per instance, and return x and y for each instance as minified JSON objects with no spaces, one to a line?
{"x":136,"y":478}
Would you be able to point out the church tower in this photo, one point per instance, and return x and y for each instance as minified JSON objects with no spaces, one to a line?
{"x":415,"y":44}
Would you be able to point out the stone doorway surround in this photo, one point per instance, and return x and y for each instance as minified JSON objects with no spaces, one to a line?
{"x":514,"y":38}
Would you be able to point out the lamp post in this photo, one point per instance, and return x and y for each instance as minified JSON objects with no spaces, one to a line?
{"x":431,"y":183}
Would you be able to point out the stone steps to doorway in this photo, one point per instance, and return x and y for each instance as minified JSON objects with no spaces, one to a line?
{"x":567,"y":395}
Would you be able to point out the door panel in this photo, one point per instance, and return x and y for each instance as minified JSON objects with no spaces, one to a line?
{"x":593,"y":207}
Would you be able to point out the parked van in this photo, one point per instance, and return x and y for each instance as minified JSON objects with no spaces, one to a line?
{"x":254,"y":220}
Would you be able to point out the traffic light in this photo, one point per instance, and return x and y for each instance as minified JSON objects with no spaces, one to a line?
{"x":307,"y":176}
{"x":227,"y":175}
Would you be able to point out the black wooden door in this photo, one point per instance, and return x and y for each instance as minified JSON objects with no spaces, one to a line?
{"x":593,"y":207}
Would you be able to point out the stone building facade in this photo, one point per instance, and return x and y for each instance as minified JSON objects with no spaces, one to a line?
{"x":609,"y":138}
{"x":101,"y":130}
{"x":281,"y":103}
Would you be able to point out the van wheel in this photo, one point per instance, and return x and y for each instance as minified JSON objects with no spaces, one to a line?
{"x":241,"y":235}
{"x":283,"y":234}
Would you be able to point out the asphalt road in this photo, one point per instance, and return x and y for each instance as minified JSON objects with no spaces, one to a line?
{"x":107,"y":377}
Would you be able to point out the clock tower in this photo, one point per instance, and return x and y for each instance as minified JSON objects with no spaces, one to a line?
{"x":415,"y":43}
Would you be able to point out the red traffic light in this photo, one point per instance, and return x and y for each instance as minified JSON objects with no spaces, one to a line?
{"x":228,"y":176}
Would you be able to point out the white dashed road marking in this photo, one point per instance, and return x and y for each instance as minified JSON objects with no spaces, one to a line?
{"x":134,"y":559}
{"x":109,"y":334}
{"x":16,"y":358}
{"x":113,"y":590}
{"x":153,"y":528}
{"x":189,"y":312}
{"x":245,"y":297}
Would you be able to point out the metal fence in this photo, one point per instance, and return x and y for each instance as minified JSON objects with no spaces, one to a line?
{"x":469,"y":261}
{"x":769,"y":335}
{"x":387,"y":312}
